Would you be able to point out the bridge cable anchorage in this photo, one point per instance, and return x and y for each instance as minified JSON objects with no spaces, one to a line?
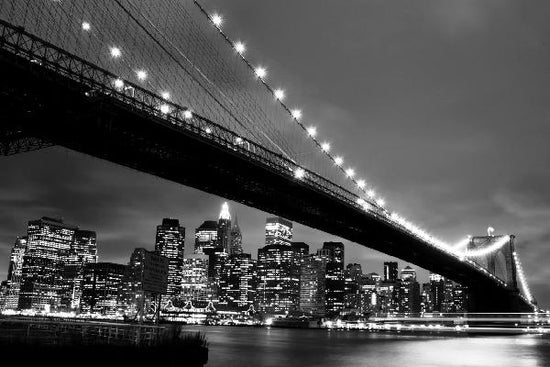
{"x":376,"y":204}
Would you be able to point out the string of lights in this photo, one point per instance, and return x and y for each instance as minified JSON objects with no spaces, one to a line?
{"x":373,"y":204}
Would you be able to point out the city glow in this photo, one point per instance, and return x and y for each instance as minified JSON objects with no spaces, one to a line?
{"x":325,"y":147}
{"x":297,"y":114}
{"x":260,"y":72}
{"x":361,"y":184}
{"x":299,"y":173}
{"x":115,"y":52}
{"x":350,"y":172}
{"x":312,"y":131}
{"x":141,"y":75}
{"x":86,"y":26}
{"x":338,"y":160}
{"x":240,"y":47}
{"x":165,"y":95}
{"x":217,"y":20}
{"x":279,"y":94}
{"x":187,"y":114}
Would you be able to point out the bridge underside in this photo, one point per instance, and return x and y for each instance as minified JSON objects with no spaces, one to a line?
{"x":38,"y":106}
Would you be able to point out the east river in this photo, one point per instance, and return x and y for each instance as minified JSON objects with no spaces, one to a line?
{"x":277,"y":347}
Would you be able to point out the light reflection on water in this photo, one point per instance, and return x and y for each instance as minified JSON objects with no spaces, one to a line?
{"x":274,"y":347}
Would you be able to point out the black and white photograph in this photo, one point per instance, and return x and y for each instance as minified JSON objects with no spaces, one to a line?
{"x":273,"y":183}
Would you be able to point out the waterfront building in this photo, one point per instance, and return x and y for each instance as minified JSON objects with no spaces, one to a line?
{"x":279,"y":285}
{"x":206,"y":236}
{"x":83,"y":251}
{"x":352,"y":287}
{"x":102,"y":285}
{"x":13,"y":283}
{"x":334,"y":278}
{"x":408,"y":296}
{"x":224,"y":229}
{"x":390,"y":271}
{"x":195,"y":279}
{"x":170,"y":243}
{"x":48,"y":247}
{"x":238,"y":282}
{"x":312,"y":285}
{"x":278,"y":231}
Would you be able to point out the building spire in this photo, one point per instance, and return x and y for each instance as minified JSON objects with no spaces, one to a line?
{"x":224,"y":214}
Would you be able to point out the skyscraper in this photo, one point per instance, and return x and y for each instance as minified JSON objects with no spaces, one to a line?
{"x":312,"y":285}
{"x":48,"y":247}
{"x":206,"y":236}
{"x":353,"y":274}
{"x":224,"y":229}
{"x":83,"y":251}
{"x":390,"y":271}
{"x":15,"y":269}
{"x":236,"y":239}
{"x":278,"y":289}
{"x":170,"y":243}
{"x":238,"y":282}
{"x":408,"y":273}
{"x":102,"y":288}
{"x":278,"y":231}
{"x":334,"y":277}
{"x":195,"y":278}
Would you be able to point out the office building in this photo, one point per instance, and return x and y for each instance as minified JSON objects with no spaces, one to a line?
{"x":102,"y":285}
{"x":170,"y":243}
{"x":206,"y":236}
{"x":278,"y":231}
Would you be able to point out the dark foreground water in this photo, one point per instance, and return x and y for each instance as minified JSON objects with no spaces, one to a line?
{"x":259,"y":347}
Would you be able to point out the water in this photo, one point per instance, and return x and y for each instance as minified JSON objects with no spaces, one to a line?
{"x":262,"y":347}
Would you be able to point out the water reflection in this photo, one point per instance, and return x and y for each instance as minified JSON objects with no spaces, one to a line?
{"x":260,"y":347}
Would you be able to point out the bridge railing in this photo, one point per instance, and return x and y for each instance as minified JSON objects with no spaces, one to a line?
{"x":100,"y":82}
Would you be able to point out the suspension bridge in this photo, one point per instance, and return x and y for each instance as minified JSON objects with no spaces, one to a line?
{"x":161,"y":88}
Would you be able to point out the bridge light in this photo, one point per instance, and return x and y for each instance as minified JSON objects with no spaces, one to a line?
{"x":297,"y":114}
{"x":312,"y":131}
{"x":350,"y":172}
{"x":361,"y":201}
{"x":361,"y":184}
{"x":165,"y":109}
{"x":240,"y":47}
{"x":208,"y":130}
{"x":339,"y":161}
{"x":187,"y":114}
{"x":299,"y":173}
{"x":86,"y":26}
{"x":141,"y":75}
{"x":165,"y":95}
{"x":118,"y":83}
{"x":279,"y":94}
{"x":325,"y":147}
{"x":260,"y":72}
{"x":381,"y":202}
{"x":371,"y":194}
{"x":238,"y":140}
{"x":217,"y":20}
{"x":115,"y":52}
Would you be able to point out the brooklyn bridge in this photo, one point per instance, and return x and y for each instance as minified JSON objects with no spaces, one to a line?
{"x":163,"y":89}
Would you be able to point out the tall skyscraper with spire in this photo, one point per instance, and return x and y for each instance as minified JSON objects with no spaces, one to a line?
{"x":224,"y":228}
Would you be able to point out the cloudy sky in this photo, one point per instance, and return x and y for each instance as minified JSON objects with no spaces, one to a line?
{"x":443,"y":104}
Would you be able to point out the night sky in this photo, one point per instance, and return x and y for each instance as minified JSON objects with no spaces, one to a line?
{"x":444,"y":105}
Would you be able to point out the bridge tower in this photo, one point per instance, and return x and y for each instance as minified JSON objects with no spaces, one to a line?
{"x":502,"y":255}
